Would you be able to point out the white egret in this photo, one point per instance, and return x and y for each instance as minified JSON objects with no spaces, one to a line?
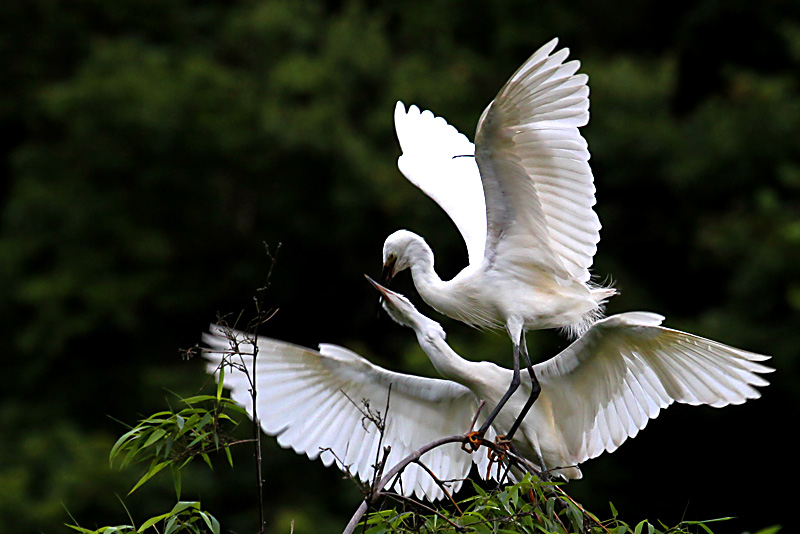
{"x":312,"y":402}
{"x":602,"y":389}
{"x":598,"y":392}
{"x":523,"y":205}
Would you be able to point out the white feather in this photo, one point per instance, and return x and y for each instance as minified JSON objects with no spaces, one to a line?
{"x":312,"y":400}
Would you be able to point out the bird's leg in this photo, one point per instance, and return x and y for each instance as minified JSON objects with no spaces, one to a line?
{"x":515,"y":381}
{"x":473,"y":441}
{"x":536,"y":388}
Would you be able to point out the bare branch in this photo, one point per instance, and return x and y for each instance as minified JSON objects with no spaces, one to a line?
{"x":400,"y":497}
{"x":440,"y":484}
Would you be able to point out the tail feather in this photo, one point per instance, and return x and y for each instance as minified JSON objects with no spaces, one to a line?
{"x":601,"y":294}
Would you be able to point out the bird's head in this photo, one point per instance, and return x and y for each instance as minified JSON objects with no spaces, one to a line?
{"x":403,"y":312}
{"x":398,"y":250}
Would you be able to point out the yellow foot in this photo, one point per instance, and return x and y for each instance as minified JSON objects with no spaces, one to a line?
{"x":473,"y":441}
{"x":503,"y":445}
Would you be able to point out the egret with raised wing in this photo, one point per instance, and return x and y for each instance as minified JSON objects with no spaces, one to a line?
{"x":523,"y":205}
{"x":602,"y":389}
{"x":318,"y":402}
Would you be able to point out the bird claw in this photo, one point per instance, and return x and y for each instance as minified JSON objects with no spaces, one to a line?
{"x":504,"y":445}
{"x":472,"y":442}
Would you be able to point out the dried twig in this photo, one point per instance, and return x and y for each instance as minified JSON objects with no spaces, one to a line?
{"x":400,"y":497}
{"x":414,"y":457}
{"x":439,"y":483}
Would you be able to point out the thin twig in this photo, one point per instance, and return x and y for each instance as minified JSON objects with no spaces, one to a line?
{"x":440,"y":484}
{"x":402,"y":464}
{"x":477,"y":413}
{"x":414,"y":457}
{"x":261,"y":318}
{"x":400,"y":497}
{"x":381,"y":424}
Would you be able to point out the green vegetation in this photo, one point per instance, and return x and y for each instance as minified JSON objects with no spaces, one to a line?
{"x":170,"y":440}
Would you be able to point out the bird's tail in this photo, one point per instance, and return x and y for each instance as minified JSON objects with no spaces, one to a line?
{"x":600,"y":294}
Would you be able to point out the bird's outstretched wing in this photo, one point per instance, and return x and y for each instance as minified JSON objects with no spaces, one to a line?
{"x":534,"y":165}
{"x":440,"y":161}
{"x":315,"y":402}
{"x":610,"y":382}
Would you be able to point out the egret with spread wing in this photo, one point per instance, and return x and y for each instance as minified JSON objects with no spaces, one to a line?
{"x":313,"y":401}
{"x":523,"y":205}
{"x":602,"y":389}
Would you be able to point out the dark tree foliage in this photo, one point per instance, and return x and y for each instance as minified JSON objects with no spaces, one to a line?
{"x":149,"y":149}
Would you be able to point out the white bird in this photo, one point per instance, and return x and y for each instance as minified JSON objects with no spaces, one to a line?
{"x":597,"y":393}
{"x":312,"y":401}
{"x":603,"y":388}
{"x":523,"y":205}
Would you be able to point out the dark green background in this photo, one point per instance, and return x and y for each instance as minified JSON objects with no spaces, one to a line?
{"x":151,"y":147}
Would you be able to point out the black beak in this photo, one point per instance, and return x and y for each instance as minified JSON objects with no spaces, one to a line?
{"x":388,"y":271}
{"x":376,"y":286}
{"x":380,"y":289}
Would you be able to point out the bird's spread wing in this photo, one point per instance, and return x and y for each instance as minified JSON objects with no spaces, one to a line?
{"x":534,"y":165}
{"x":609,"y":383}
{"x":440,"y":161}
{"x":315,"y":402}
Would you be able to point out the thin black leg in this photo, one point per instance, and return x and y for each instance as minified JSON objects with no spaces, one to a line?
{"x":515,"y":381}
{"x":536,"y":388}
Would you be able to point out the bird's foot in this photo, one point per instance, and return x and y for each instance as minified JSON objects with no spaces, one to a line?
{"x":502,"y":445}
{"x":472,"y":442}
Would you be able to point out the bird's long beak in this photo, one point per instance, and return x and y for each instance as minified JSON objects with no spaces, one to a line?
{"x":382,"y":290}
{"x":388,"y":270}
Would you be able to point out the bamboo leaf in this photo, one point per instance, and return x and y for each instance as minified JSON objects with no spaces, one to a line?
{"x":220,"y":382}
{"x":152,"y":521}
{"x":210,"y":521}
{"x":155,"y":436}
{"x":154,"y":469}
{"x":199,"y":398}
{"x":176,"y":477}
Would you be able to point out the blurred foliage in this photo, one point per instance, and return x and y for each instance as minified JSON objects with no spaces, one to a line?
{"x":150,"y":149}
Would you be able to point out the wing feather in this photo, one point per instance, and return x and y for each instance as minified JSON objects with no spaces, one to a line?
{"x":533,"y":162}
{"x":439,"y":160}
{"x":609,"y":383}
{"x":312,"y":402}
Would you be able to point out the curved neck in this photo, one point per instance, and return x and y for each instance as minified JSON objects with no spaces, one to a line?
{"x":420,"y":261}
{"x":446,"y":361}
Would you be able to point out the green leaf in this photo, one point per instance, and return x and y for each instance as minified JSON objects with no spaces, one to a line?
{"x":121,"y":441}
{"x":176,"y":478}
{"x":204,"y":421}
{"x":207,"y":461}
{"x":220,"y":382}
{"x":184,"y":505}
{"x":200,"y":437}
{"x":171,"y":525}
{"x":154,"y":469}
{"x":155,"y":436}
{"x":199,"y":398}
{"x":210,"y":521}
{"x":152,"y":521}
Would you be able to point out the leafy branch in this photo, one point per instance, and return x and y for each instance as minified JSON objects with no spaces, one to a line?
{"x":173,"y":439}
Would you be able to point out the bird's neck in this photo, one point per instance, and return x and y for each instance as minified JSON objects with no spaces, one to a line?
{"x":447,"y":363}
{"x":426,"y":280}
